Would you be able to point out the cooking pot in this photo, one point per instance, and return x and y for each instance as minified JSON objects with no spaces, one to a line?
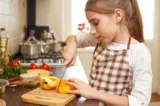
{"x":47,"y":36}
{"x":53,"y":46}
{"x":31,"y":48}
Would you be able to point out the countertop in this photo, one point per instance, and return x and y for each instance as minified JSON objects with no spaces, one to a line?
{"x":12,"y":95}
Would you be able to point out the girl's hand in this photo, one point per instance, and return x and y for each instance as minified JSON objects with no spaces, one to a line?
{"x":81,"y":88}
{"x":70,"y":51}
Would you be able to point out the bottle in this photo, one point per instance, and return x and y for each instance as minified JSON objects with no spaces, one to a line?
{"x":4,"y":45}
{"x":3,"y":40}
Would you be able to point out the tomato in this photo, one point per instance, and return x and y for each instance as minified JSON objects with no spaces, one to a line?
{"x":45,"y":66}
{"x":14,"y":62}
{"x":33,"y":66}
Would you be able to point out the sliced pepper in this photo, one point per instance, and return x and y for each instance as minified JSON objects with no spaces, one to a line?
{"x":64,"y":87}
{"x":48,"y":82}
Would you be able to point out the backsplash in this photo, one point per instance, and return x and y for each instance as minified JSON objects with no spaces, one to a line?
{"x":13,"y":19}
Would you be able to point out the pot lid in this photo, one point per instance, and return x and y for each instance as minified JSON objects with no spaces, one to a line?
{"x":31,"y":41}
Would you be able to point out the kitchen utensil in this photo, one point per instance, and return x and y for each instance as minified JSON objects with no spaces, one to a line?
{"x":53,"y":46}
{"x":46,"y":36}
{"x":45,"y":97}
{"x":38,"y":31}
{"x":53,"y":37}
{"x":62,"y":75}
{"x":31,"y":48}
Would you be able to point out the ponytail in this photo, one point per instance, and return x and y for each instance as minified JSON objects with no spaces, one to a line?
{"x":135,"y":22}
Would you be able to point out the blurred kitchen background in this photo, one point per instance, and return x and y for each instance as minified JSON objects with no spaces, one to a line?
{"x":62,"y":18}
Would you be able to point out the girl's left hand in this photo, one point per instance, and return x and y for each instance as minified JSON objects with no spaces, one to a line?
{"x":82,"y":88}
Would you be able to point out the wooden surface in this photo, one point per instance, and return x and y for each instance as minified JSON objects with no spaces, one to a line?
{"x":2,"y":102}
{"x":22,"y":83}
{"x":154,"y":104}
{"x":12,"y":97}
{"x":155,"y":98}
{"x":43,"y":97}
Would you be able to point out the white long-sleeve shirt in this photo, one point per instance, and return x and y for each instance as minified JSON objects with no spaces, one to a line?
{"x":140,"y":64}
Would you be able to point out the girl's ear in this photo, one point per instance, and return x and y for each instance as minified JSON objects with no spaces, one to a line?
{"x":118,"y":15}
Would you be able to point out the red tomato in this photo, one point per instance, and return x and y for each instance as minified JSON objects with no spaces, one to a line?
{"x":45,"y":67}
{"x":14,"y":62}
{"x":33,"y":66}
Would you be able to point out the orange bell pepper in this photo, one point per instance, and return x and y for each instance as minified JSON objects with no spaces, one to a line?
{"x":63,"y":87}
{"x":48,"y":82}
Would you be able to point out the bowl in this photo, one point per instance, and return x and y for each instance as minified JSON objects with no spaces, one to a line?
{"x":29,"y":77}
{"x":3,"y":84}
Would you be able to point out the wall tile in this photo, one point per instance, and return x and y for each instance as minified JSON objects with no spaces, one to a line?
{"x":13,"y":19}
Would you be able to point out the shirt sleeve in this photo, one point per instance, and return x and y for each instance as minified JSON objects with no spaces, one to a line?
{"x":84,"y":39}
{"x":142,"y":78}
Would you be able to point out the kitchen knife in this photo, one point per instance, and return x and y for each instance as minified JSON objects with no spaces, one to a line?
{"x":62,"y":75}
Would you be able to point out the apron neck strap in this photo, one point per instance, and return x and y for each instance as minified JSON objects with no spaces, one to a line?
{"x":128,"y":45}
{"x":129,"y":42}
{"x":95,"y":48}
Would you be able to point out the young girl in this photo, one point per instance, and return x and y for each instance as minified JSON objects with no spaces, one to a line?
{"x":121,"y":69}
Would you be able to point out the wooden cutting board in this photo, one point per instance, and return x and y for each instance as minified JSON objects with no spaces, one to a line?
{"x":2,"y":102}
{"x":50,"y":98}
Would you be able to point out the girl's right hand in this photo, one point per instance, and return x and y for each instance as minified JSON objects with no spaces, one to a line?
{"x":70,"y":51}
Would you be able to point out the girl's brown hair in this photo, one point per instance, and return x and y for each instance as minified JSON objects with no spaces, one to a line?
{"x":131,"y":11}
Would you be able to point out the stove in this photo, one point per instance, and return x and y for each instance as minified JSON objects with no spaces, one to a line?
{"x":53,"y":59}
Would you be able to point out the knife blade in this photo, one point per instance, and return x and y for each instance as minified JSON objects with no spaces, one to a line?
{"x":62,"y":75}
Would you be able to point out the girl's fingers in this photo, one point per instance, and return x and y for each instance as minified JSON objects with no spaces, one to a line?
{"x":73,"y":61}
{"x":73,"y":84}
{"x":69,"y":61}
{"x":79,"y":82}
{"x":75,"y":80}
{"x":72,"y":92}
{"x":66,"y":62}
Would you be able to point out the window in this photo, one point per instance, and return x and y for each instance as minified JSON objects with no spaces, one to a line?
{"x":78,"y":14}
{"x":147,"y":8}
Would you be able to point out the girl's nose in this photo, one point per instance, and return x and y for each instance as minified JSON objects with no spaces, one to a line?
{"x":92,"y":31}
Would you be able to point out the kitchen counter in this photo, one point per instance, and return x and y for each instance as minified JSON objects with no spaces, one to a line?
{"x":12,"y":96}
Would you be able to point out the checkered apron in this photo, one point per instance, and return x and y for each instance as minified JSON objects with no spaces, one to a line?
{"x":110,"y":71}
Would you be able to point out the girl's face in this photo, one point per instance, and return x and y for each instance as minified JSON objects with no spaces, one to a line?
{"x":103,"y":26}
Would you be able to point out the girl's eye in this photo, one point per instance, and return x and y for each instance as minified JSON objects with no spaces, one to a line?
{"x":95,"y":23}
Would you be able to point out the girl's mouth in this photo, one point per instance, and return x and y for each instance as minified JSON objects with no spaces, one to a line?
{"x":99,"y":39}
